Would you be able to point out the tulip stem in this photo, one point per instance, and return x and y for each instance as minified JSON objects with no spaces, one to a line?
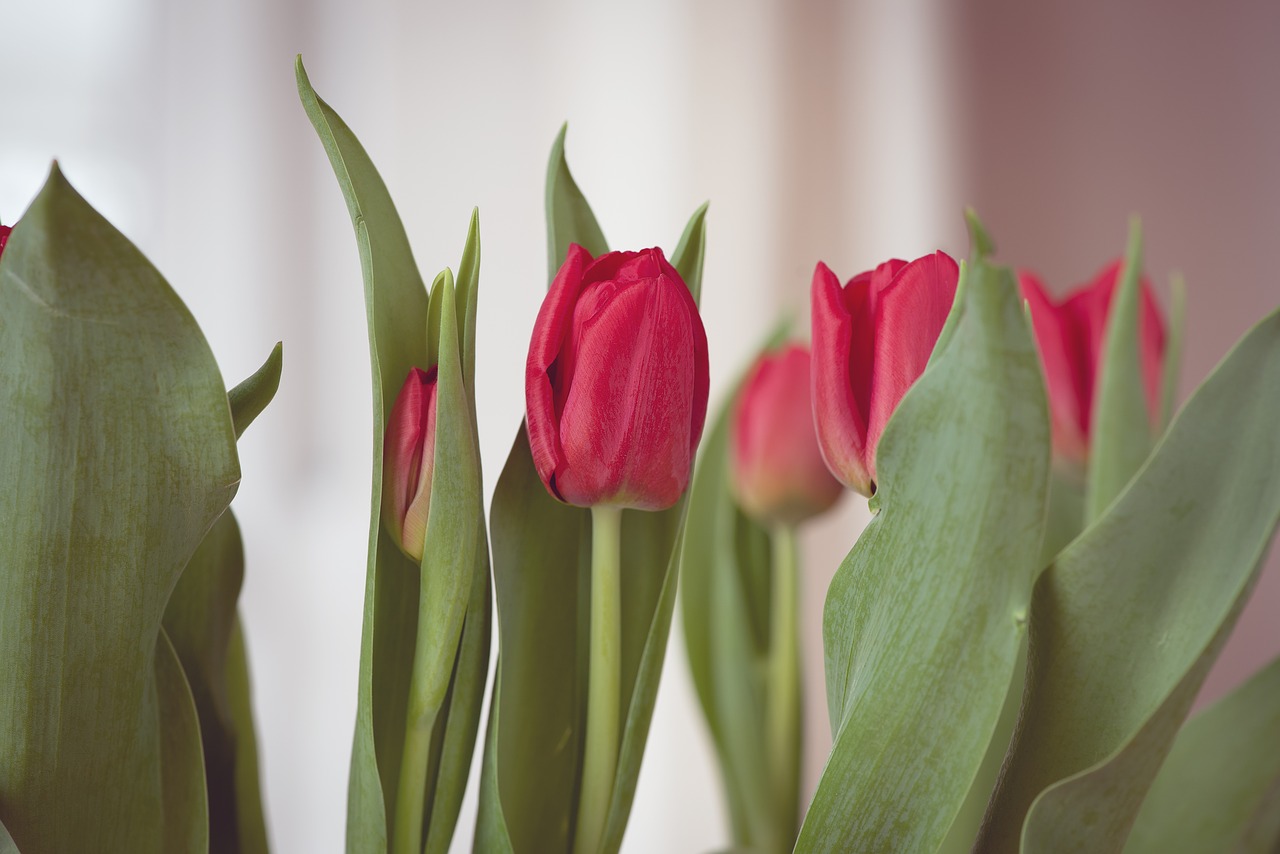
{"x":783,"y":709}
{"x":604,"y":680}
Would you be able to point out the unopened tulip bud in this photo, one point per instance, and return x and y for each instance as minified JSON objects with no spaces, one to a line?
{"x":778,"y":475}
{"x":408,"y":461}
{"x":4,"y":236}
{"x":872,"y":339}
{"x":616,"y":382}
{"x":1069,"y":335}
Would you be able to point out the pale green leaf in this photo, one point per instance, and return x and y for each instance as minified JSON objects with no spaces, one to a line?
{"x":1173,"y":350}
{"x":925,"y":617}
{"x":1219,"y":789}
{"x":569,"y":217}
{"x":252,"y":396}
{"x":690,"y":253}
{"x":1128,"y":619}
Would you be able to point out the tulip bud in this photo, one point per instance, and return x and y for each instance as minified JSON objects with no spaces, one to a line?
{"x":408,"y":461}
{"x":4,"y":236}
{"x":777,"y":473}
{"x":872,"y":339}
{"x":1070,"y":335}
{"x":616,"y":382}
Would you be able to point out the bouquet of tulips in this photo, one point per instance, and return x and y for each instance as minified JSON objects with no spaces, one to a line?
{"x":1012,"y":645}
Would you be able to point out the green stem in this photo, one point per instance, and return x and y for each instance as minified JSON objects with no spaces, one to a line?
{"x":604,"y":680}
{"x":427,"y":688}
{"x":783,"y":710}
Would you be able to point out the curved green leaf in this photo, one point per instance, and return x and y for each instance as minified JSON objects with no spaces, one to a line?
{"x":1219,"y":790}
{"x":925,"y":617}
{"x":691,"y":251}
{"x":117,"y":430}
{"x":1126,"y":622}
{"x":1120,"y":435}
{"x":252,"y":396}
{"x":404,"y":333}
{"x":201,"y":620}
{"x":569,"y":217}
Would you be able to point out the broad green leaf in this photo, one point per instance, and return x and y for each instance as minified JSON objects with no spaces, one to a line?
{"x":1120,"y":435}
{"x":200,"y":620}
{"x":120,"y":446}
{"x":252,"y":823}
{"x":402,"y":336}
{"x":1219,"y":789}
{"x":725,"y":582}
{"x":1128,"y":619}
{"x":925,"y":617}
{"x":691,"y":252}
{"x":252,"y":396}
{"x":569,"y":217}
{"x":541,"y":568}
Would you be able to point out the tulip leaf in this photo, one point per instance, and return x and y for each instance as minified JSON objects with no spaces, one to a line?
{"x":7,"y":845}
{"x":1173,"y":350}
{"x":117,"y":428}
{"x":468,"y":285}
{"x":925,"y":617}
{"x":201,"y":620}
{"x":569,"y":217}
{"x":400,"y":338}
{"x":252,"y":396}
{"x":541,"y":570}
{"x":691,"y":252}
{"x":1127,"y":620}
{"x":1219,"y":790}
{"x":1120,"y":435}
{"x":725,"y":584}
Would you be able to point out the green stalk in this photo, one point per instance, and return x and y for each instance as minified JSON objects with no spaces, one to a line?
{"x":783,"y":709}
{"x":604,"y":680}
{"x":427,"y":688}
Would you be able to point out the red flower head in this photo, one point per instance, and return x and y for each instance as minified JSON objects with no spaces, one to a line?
{"x":409,"y":456}
{"x":4,"y":236}
{"x":1070,"y":334}
{"x":778,"y":475}
{"x":616,"y":382}
{"x":871,"y":340}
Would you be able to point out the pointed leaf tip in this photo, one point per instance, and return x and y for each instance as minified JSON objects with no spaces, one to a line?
{"x":978,"y":235}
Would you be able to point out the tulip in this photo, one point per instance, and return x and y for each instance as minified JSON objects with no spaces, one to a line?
{"x":408,"y":462}
{"x":872,"y":339}
{"x":778,"y":475}
{"x":1070,"y":335}
{"x":4,"y":236}
{"x":616,"y":382}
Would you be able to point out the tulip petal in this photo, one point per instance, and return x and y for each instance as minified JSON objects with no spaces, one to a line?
{"x":838,"y":419}
{"x":909,"y":315}
{"x":543,"y":368}
{"x":1067,"y":403}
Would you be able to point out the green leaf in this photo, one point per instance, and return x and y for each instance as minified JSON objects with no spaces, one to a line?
{"x":252,"y":396}
{"x":1120,"y":436}
{"x":117,"y":430}
{"x":1128,"y":619}
{"x":691,"y":252}
{"x":248,"y":786}
{"x":569,"y":217}
{"x":541,"y":569}
{"x":1219,"y":789}
{"x":1173,"y":350}
{"x":925,"y":617}
{"x":468,"y":300}
{"x":200,"y":621}
{"x":402,"y":335}
{"x":7,"y":845}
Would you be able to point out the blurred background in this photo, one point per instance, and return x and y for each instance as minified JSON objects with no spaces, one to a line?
{"x":847,"y":132}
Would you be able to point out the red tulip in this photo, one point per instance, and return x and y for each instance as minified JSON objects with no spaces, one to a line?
{"x":872,"y":340}
{"x":409,"y":455}
{"x":1069,"y":334}
{"x":616,"y":382}
{"x":4,"y":236}
{"x":778,"y":475}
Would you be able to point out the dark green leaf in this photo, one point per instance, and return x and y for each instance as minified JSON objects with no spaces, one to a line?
{"x":121,"y":452}
{"x":691,"y":252}
{"x":1128,"y":619}
{"x":569,"y":217}
{"x":925,"y":617}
